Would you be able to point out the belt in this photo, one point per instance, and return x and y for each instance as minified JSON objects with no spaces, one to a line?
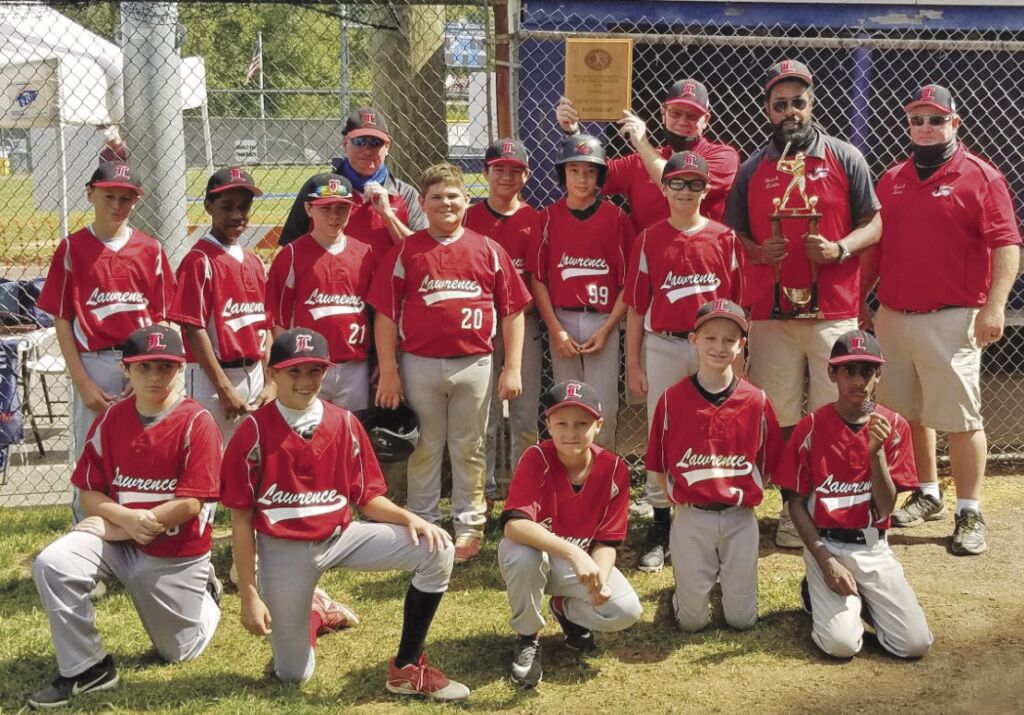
{"x":580,"y":309}
{"x":849,"y":536}
{"x":927,"y":312}
{"x":712,"y":507}
{"x":240,"y":362}
{"x":679,"y":334}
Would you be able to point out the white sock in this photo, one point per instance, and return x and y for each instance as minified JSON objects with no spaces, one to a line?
{"x":972,"y":504}
{"x":931,"y":489}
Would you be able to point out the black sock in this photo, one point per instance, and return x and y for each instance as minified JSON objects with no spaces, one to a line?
{"x":663,"y":516}
{"x":419,"y":612}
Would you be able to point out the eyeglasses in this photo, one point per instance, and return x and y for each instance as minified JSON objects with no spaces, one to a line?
{"x":372,"y":142}
{"x":695,"y":185}
{"x":865,"y":371}
{"x":798,"y":104}
{"x":935,"y":120}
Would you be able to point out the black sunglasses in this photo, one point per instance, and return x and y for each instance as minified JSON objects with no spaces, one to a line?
{"x":696,"y":185}
{"x":865,"y":371}
{"x":372,"y":142}
{"x":935,"y":120}
{"x":798,"y":104}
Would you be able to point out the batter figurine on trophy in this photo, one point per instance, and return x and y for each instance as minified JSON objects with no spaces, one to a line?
{"x":804,"y":300}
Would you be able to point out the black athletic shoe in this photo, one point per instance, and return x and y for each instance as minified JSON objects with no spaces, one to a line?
{"x":805,"y":595}
{"x":214,"y":587}
{"x":59,"y":693}
{"x":576,"y":636}
{"x":526,"y":664}
{"x":656,"y":549}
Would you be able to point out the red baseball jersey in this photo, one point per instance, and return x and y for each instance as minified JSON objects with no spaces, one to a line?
{"x":838,"y":175}
{"x":366,"y":225}
{"x":828,"y":461}
{"x":324,"y":290}
{"x":938,"y":234}
{"x":628,"y":176}
{"x":518,"y":234}
{"x":143,"y":466}
{"x":583,"y":262}
{"x":447,"y":298}
{"x":107,"y":294}
{"x":712,"y":454}
{"x":598,"y":512}
{"x":672,"y":274}
{"x":297,"y":488}
{"x":225,"y":295}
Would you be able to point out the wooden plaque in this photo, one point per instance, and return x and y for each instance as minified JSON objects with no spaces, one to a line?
{"x":597,"y":77}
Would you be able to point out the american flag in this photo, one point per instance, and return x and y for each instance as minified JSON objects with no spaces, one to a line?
{"x":256,"y":63}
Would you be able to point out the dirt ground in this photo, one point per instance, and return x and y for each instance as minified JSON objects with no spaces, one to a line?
{"x":975,"y":612}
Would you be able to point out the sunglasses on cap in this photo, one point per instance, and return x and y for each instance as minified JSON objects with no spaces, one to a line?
{"x":799,"y":103}
{"x":363,"y":142}
{"x":935,"y":120}
{"x":865,"y":371}
{"x":326,"y":192}
{"x":696,"y":185}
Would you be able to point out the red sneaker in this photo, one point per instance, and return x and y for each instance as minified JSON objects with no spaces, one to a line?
{"x":421,"y":678}
{"x":333,"y":615}
{"x":467,"y":547}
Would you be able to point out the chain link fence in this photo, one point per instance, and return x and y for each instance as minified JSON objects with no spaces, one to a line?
{"x":193,"y":86}
{"x":865,"y":69}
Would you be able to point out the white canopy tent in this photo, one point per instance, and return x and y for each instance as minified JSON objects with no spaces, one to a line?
{"x":56,"y":75}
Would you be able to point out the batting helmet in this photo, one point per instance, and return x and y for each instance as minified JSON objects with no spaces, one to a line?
{"x":393,"y":433}
{"x":585,"y":148}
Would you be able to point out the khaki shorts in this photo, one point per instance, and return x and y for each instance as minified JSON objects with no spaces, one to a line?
{"x":932,"y":371}
{"x":784,"y":352}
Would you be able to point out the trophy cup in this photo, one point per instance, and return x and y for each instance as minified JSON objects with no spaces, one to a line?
{"x":803,"y":300}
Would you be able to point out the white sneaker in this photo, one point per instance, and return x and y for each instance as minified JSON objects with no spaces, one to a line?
{"x":786,"y":536}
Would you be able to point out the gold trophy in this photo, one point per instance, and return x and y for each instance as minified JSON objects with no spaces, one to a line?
{"x":804,"y":300}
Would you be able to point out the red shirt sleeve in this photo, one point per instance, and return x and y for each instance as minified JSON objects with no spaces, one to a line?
{"x":241,"y":467}
{"x":194,"y":298}
{"x":620,"y":170}
{"x":510,"y":293}
{"x":638,"y":277}
{"x":616,"y":519}
{"x":524,"y":493}
{"x":899,"y":455}
{"x":90,"y":472}
{"x":388,"y":289}
{"x":794,"y":468}
{"x":739,"y":262}
{"x":627,"y":237}
{"x":998,"y":220}
{"x":533,"y":242}
{"x":723,"y":165}
{"x":655,"y":460}
{"x":281,"y":298}
{"x":537,"y":264}
{"x":200,"y":476}
{"x":773,"y":446}
{"x":163,"y":290}
{"x":55,"y":298}
{"x":366,"y":480}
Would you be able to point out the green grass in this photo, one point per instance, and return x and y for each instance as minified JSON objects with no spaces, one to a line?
{"x":652,"y":665}
{"x":28,"y":236}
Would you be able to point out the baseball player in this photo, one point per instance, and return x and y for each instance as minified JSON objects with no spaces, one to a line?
{"x":149,"y":477}
{"x":220,"y":307}
{"x":440,"y":296}
{"x":578,"y":274}
{"x":685,"y":114}
{"x":515,"y":226}
{"x":387,"y":209}
{"x":320,"y":282}
{"x":105,"y":281}
{"x":677,"y":265}
{"x":783,"y":353}
{"x":840,"y":472}
{"x":949,"y":257}
{"x":566,"y":513}
{"x":714,"y":443}
{"x":291,"y":474}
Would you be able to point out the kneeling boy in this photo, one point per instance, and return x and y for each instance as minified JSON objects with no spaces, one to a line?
{"x":566,"y":512}
{"x":840,"y":473}
{"x":149,"y":478}
{"x":290,"y":474}
{"x":714,"y":442}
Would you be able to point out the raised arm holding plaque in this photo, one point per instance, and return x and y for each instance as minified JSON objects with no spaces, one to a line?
{"x":804,"y":300}
{"x":598,"y":76}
